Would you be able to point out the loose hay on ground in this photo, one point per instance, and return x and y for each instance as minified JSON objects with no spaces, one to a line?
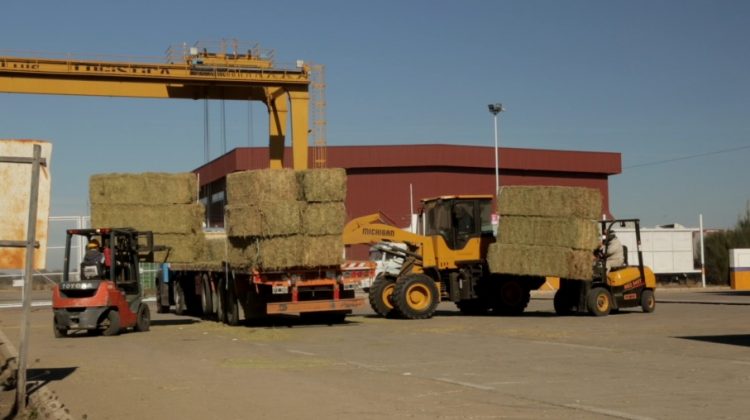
{"x":550,"y":201}
{"x":145,"y":188}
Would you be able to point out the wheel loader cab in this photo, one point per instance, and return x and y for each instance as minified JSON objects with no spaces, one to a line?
{"x":457,"y":219}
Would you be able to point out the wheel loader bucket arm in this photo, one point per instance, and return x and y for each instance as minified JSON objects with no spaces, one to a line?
{"x":371,"y":229}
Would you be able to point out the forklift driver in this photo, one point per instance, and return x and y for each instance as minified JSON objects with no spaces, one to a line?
{"x":91,"y":267}
{"x":615,"y":252}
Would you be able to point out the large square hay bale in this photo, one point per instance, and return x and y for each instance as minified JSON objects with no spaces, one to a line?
{"x":266,"y":218}
{"x":262,"y":185}
{"x":175,"y":218}
{"x":323,"y":185}
{"x":145,"y":188}
{"x":324,"y":219}
{"x":215,"y":247}
{"x":243,"y":252}
{"x":567,"y":232}
{"x":321,"y":251}
{"x":549,"y":201}
{"x":184,"y":248}
{"x":531,"y":260}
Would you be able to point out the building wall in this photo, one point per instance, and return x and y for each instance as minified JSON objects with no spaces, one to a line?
{"x":385,"y":178}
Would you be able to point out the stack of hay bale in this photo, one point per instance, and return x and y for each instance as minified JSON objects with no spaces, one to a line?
{"x":279,"y":219}
{"x":546,"y":231}
{"x":163,"y":203}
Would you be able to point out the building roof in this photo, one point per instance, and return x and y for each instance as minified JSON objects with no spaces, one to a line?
{"x":426,"y":155}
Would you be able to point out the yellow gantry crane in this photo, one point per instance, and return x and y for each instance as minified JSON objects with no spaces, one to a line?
{"x":233,"y":72}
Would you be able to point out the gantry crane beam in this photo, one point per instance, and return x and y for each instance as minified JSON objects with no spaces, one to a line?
{"x":232,"y":77}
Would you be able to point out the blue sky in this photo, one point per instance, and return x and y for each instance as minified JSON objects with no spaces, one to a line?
{"x":653,"y":80}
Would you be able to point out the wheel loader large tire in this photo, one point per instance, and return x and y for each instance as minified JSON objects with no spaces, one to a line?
{"x":113,"y":323}
{"x":599,"y":301}
{"x":416,"y":296}
{"x":648,"y":301}
{"x":511,"y":297}
{"x":380,"y":295}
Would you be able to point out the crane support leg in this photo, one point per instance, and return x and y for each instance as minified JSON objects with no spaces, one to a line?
{"x":300,"y":128}
{"x":277,"y":119}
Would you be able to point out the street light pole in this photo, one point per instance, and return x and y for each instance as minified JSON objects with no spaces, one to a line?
{"x":496,"y":109}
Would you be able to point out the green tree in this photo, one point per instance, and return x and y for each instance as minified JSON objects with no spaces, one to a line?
{"x":718,"y":245}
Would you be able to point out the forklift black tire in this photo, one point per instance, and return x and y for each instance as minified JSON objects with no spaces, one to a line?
{"x":416,"y":296}
{"x":563,"y":303}
{"x":113,"y":327}
{"x":180,"y":306}
{"x":599,"y":301}
{"x":143,"y":318}
{"x":380,"y":295}
{"x":511,"y":298}
{"x":473,"y":306}
{"x":60,"y":331}
{"x":648,"y":301}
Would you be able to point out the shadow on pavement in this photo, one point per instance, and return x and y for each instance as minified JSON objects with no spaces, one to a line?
{"x":169,"y":322}
{"x":736,"y":340}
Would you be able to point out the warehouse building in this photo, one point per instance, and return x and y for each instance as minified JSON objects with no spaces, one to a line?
{"x":393,"y":179}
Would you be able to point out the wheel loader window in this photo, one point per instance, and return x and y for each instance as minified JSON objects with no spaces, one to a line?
{"x":463,"y":220}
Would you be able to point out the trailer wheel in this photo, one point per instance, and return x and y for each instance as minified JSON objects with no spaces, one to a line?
{"x":160,"y":286}
{"x":648,"y":301}
{"x":207,"y":305}
{"x":511,"y":297}
{"x":473,"y":306}
{"x":563,"y":303}
{"x":599,"y":301}
{"x":416,"y":296}
{"x":60,"y":331}
{"x":179,"y":298}
{"x":143,"y":318}
{"x":221,"y":300}
{"x":380,"y":295}
{"x":112,"y":323}
{"x":232,"y":305}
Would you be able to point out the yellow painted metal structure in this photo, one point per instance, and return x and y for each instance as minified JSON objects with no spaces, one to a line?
{"x":195,"y":73}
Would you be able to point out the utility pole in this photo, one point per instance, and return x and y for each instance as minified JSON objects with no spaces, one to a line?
{"x":496,"y":109}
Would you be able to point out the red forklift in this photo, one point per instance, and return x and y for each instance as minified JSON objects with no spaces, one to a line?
{"x":106,"y":296}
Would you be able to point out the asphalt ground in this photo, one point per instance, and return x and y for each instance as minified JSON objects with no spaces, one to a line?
{"x":688,"y":359}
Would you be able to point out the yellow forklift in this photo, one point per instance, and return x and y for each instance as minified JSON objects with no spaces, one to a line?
{"x":614,"y":287}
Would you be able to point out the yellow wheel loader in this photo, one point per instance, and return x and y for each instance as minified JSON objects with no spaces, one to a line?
{"x":444,"y":261}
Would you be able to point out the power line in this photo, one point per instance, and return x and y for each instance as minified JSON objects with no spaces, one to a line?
{"x":659,"y":162}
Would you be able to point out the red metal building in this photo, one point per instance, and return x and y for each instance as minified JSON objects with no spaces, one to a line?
{"x":384,"y":178}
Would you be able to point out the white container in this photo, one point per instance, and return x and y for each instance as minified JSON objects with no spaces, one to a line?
{"x":667,"y":251}
{"x":15,"y":188}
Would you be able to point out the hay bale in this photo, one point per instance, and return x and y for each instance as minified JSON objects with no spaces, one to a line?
{"x":548,"y":201}
{"x":265,"y":219}
{"x":146,"y":188}
{"x":323,"y":185}
{"x":549,"y":231}
{"x":243,"y":252}
{"x":321,"y":251}
{"x":262,"y":185}
{"x":174,"y":218}
{"x":531,"y":260}
{"x":184,"y":248}
{"x":214,"y":247}
{"x":320,"y":219}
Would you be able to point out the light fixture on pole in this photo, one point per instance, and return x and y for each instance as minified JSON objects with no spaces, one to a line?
{"x":496,"y":109}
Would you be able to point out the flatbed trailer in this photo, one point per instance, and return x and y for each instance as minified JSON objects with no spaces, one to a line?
{"x":219,"y":291}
